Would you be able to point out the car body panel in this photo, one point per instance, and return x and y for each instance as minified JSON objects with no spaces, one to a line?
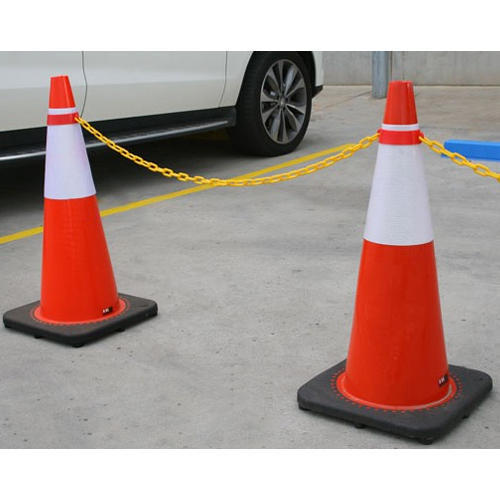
{"x":125,"y":84}
{"x":236,"y":66}
{"x":319,"y":68}
{"x":24,"y":85}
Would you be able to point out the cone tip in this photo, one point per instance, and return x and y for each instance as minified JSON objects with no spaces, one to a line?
{"x":61,"y":95}
{"x":400,"y":106}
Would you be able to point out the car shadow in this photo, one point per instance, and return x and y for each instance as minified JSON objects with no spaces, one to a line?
{"x":116,"y":178}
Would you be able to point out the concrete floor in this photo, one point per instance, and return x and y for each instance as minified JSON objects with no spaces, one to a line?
{"x":255,"y":288}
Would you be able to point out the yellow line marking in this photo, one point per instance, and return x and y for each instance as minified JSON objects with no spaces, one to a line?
{"x":183,"y":192}
{"x":21,"y":234}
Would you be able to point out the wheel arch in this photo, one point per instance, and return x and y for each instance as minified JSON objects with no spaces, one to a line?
{"x":307,"y":58}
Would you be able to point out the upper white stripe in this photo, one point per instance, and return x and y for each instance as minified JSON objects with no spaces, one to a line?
{"x":399,"y":212}
{"x":67,"y":169}
{"x":388,"y":126}
{"x":61,"y":111}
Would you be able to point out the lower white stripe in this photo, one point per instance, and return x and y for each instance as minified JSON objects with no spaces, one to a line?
{"x":67,"y":169}
{"x":399,"y":212}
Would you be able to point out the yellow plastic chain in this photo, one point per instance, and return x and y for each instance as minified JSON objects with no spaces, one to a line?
{"x":347,"y":152}
{"x":459,"y":159}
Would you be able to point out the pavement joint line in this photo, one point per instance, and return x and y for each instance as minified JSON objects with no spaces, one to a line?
{"x":26,"y":233}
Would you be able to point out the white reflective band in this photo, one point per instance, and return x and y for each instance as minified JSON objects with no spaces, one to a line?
{"x":388,"y":126}
{"x":399,"y":212}
{"x":61,"y":111}
{"x":67,"y":169}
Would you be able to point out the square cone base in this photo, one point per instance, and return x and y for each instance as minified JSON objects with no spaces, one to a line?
{"x":78,"y":334}
{"x":322,"y":396}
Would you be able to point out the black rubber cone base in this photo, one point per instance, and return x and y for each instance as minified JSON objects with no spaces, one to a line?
{"x":23,"y":320}
{"x":322,"y":396}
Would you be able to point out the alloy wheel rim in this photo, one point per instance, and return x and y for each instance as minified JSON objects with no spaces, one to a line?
{"x":283,"y":101}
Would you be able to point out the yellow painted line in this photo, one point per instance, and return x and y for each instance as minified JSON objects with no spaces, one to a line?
{"x":183,"y":192}
{"x":21,"y":234}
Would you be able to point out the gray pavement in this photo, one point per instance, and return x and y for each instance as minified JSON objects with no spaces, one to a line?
{"x":255,"y":288}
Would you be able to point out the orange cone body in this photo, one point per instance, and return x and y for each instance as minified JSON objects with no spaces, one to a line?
{"x":78,"y":284}
{"x":397,"y":356}
{"x":79,"y":302}
{"x":396,"y":377}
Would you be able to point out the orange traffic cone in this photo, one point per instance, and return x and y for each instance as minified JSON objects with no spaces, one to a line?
{"x":79,"y":301}
{"x":396,"y":376}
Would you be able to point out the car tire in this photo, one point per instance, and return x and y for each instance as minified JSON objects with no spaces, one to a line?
{"x":274,"y":105}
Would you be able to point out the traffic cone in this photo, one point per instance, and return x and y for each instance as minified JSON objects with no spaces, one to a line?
{"x":396,"y":377}
{"x":79,"y":301}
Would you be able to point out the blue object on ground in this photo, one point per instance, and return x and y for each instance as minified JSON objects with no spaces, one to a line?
{"x":479,"y":150}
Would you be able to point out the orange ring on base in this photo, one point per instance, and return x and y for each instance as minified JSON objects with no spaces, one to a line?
{"x":121,"y":307}
{"x":341,"y":387}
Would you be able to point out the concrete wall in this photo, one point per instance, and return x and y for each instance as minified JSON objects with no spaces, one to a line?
{"x":347,"y":68}
{"x":424,"y":68}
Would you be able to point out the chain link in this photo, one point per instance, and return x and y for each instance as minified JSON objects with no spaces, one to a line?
{"x":459,"y":159}
{"x":347,"y":152}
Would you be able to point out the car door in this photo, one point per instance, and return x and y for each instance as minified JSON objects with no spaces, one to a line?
{"x":127,"y":84}
{"x":25,"y":81}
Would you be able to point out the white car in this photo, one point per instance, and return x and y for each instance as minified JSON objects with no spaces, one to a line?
{"x":262,"y":98}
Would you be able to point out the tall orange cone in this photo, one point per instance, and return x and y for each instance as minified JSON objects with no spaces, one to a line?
{"x":79,"y":301}
{"x":396,"y":376}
